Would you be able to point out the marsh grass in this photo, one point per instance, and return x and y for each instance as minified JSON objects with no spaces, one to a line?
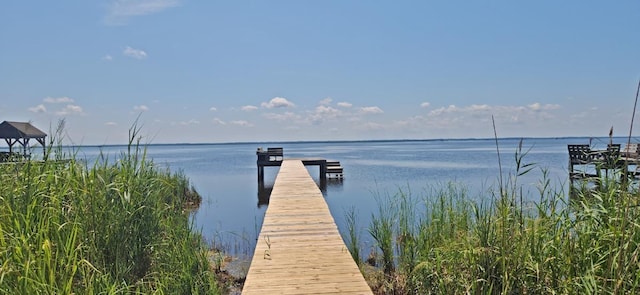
{"x":100,"y":228}
{"x":445,"y":242}
{"x":353,"y":237}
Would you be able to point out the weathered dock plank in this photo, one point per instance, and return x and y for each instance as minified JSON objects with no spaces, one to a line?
{"x":299,"y":250}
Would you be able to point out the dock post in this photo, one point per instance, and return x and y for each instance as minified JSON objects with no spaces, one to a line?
{"x":264,"y":193}
{"x":260,"y":174}
{"x":323,"y":170}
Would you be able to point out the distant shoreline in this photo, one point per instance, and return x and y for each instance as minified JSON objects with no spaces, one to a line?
{"x":263,"y":143}
{"x":351,"y":141}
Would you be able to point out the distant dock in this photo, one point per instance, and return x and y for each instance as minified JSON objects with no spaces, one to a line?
{"x":275,"y":156}
{"x":299,"y":249}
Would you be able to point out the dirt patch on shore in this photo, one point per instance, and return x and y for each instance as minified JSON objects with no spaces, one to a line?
{"x":230,"y":271}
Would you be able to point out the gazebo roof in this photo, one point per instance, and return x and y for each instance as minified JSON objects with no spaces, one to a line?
{"x":20,"y":130}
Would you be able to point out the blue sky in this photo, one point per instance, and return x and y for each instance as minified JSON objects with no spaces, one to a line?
{"x":221,"y":71}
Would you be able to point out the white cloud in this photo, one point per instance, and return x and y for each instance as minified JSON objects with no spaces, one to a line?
{"x":242,"y":123}
{"x":69,"y":110}
{"x":442,"y":110}
{"x":344,"y":104}
{"x":324,"y":113}
{"x":328,"y":111}
{"x":141,"y":108}
{"x":190,"y":122}
{"x":539,"y":107}
{"x":425,"y":104}
{"x":218,"y":121}
{"x":287,"y":116}
{"x":479,"y":107}
{"x":134,"y":53}
{"x":38,"y":109}
{"x":292,"y":128}
{"x":213,"y":109}
{"x":581,"y":115}
{"x":63,"y":99}
{"x":370,"y":126}
{"x":535,"y":106}
{"x":371,"y":110}
{"x":111,"y":123}
{"x":476,"y":118}
{"x":249,"y":108}
{"x":318,"y":115}
{"x":119,"y":11}
{"x":483,"y":109}
{"x":326,"y":101}
{"x":107,"y":57}
{"x":552,"y":106}
{"x":278,"y":102}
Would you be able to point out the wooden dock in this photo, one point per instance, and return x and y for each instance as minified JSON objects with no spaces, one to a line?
{"x":300,"y":250}
{"x":274,"y":157}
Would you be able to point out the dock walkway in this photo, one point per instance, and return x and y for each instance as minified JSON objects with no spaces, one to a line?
{"x":299,"y":250}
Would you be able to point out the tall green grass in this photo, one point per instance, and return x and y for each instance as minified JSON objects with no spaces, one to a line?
{"x":446,"y":242}
{"x":98,"y":228}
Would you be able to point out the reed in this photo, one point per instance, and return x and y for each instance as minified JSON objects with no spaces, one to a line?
{"x":71,"y":227}
{"x":450,"y":243}
{"x":382,"y":230}
{"x":353,"y":237}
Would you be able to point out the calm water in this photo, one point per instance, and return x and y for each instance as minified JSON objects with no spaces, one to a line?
{"x":226,"y":175}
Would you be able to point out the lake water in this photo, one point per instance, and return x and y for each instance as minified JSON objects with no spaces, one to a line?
{"x":226,"y":176}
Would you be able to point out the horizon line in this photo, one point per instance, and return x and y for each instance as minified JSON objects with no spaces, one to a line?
{"x":351,"y":140}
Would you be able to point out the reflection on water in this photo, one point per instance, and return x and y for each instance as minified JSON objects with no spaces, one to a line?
{"x":333,"y":184}
{"x":264,"y":193}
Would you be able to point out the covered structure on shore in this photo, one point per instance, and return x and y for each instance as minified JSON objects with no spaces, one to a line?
{"x":21,"y":133}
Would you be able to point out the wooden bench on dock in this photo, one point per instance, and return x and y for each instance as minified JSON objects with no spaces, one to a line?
{"x":631,"y":150}
{"x":580,"y":155}
{"x":270,"y":155}
{"x":334,"y":169}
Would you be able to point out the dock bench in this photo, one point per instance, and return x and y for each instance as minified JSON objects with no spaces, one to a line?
{"x":334,"y":169}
